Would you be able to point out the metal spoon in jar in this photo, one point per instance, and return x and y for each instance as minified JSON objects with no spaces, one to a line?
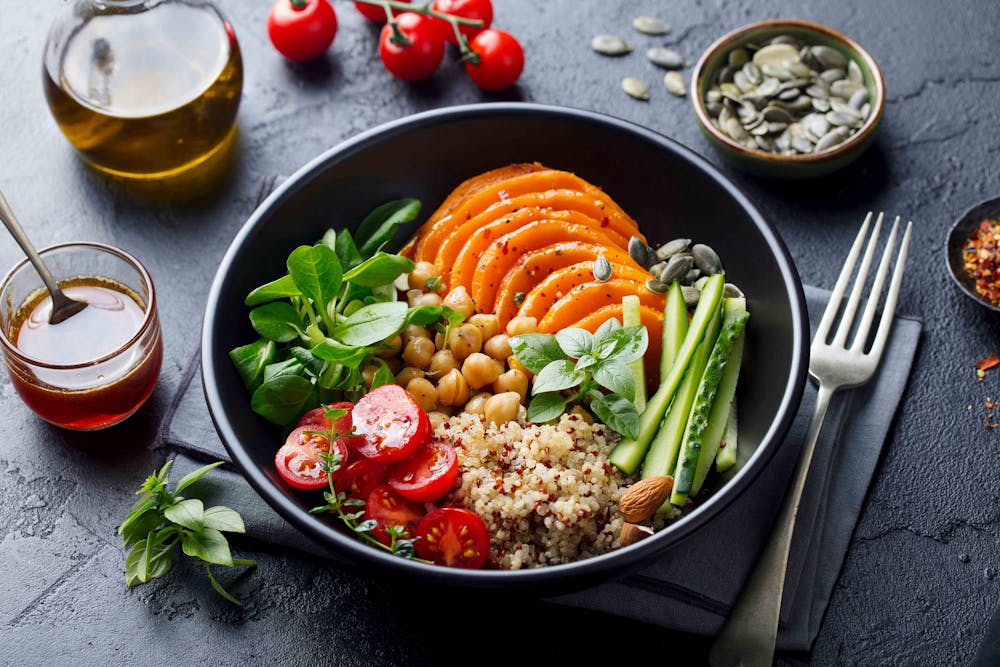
{"x":63,"y":307}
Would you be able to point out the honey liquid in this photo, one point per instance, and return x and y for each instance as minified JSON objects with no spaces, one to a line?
{"x":149,"y":94}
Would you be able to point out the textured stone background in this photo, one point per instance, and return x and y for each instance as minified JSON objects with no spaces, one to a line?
{"x":920,"y":580}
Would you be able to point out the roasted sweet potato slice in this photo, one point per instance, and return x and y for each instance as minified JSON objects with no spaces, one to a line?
{"x":562,"y":282}
{"x":650,"y":318}
{"x":588,"y":297}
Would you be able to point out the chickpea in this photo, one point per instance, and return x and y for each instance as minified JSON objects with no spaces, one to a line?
{"x":512,"y":380}
{"x":404,"y":376}
{"x":479,"y":370}
{"x":459,"y":299}
{"x":498,"y":347}
{"x":413,"y":331}
{"x":442,"y":362}
{"x":476,"y":403}
{"x":582,"y":414}
{"x":502,"y":408}
{"x":417,"y":352}
{"x":522,"y":325}
{"x":424,"y":299}
{"x":453,"y":389}
{"x":421,"y":273}
{"x":465,"y":340}
{"x":488,"y":325}
{"x":395,"y":344}
{"x":439,"y":341}
{"x":395,"y":364}
{"x":515,"y":364}
{"x":437,"y":418}
{"x":368,"y":374}
{"x":423,"y":392}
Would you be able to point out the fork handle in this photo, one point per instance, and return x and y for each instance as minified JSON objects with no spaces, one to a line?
{"x":749,"y":634}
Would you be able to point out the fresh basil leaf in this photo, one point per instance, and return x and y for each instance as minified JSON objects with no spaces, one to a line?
{"x":277,"y":321}
{"x":282,"y":368}
{"x":224,"y":519}
{"x":556,"y":376}
{"x":161,"y":561}
{"x":148,"y":559}
{"x":381,"y":269}
{"x":546,"y":407}
{"x":283,"y":399}
{"x":380,"y":225}
{"x":187,"y":513}
{"x":371,"y":324}
{"x":281,"y":288}
{"x":625,"y":344}
{"x":317,"y":272}
{"x":334,"y":351}
{"x":366,"y":526}
{"x":617,"y":412}
{"x":423,"y":315}
{"x":193,"y":476}
{"x":387,"y":292}
{"x":329,"y":239}
{"x":452,"y":316}
{"x":575,"y":342}
{"x":585,"y":362}
{"x":312,"y":364}
{"x":136,"y":567}
{"x":609,"y":325}
{"x":615,"y":376}
{"x":347,"y":250}
{"x":251,"y":359}
{"x":208,"y":544}
{"x":536,"y":351}
{"x":219,"y":589}
{"x":135,"y":529}
{"x":383,"y":375}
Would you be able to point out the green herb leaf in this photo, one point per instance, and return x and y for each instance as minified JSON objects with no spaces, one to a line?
{"x":366,"y":526}
{"x":148,"y":559}
{"x":329,"y":239}
{"x":615,"y":376}
{"x":283,"y":399}
{"x":546,"y":407}
{"x":381,"y":269}
{"x":536,"y":351}
{"x":423,"y":315}
{"x":625,"y":344}
{"x":312,"y":364}
{"x":281,"y":288}
{"x":371,"y":324}
{"x":282,"y":368}
{"x":609,"y":325}
{"x":251,"y":359}
{"x":586,"y":362}
{"x":556,"y":376}
{"x":317,"y":272}
{"x":136,"y":527}
{"x":187,"y":513}
{"x":575,"y":342}
{"x":277,"y":321}
{"x":224,"y":519}
{"x":338,"y":353}
{"x":617,"y":412}
{"x":219,"y":589}
{"x":207,"y":544}
{"x":347,"y":250}
{"x":380,"y":225}
{"x":193,"y":476}
{"x":383,"y":375}
{"x":404,"y":548}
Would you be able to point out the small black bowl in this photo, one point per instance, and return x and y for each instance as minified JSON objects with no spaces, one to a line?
{"x":671,"y":192}
{"x":954,"y":248}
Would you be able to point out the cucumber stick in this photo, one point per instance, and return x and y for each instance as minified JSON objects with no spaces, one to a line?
{"x":628,"y":454}
{"x":734,"y":318}
{"x":632,"y":318}
{"x":662,"y":456}
{"x":675,"y":326}
{"x":726,"y":458}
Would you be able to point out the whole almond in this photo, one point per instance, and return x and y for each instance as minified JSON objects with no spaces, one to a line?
{"x":632,"y":533}
{"x":641,"y":500}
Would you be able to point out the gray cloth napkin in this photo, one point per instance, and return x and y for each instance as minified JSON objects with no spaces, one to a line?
{"x":692,"y":587}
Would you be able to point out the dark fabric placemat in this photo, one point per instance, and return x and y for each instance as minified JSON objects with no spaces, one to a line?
{"x":692,"y":587}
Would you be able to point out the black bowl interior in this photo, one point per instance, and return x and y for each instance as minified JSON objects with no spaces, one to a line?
{"x":668,"y":189}
{"x":957,"y":237}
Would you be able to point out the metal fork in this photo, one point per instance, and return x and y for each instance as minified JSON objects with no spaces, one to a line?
{"x":749,"y":634}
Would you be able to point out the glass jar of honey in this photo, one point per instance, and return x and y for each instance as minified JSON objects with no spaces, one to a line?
{"x":143,"y":88}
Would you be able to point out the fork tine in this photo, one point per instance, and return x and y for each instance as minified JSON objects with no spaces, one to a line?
{"x":838,"y":290}
{"x":873,"y":297}
{"x":844,"y":328}
{"x":891,"y":297}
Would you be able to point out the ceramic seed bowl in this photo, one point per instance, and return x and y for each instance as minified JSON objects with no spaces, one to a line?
{"x":776,"y":165}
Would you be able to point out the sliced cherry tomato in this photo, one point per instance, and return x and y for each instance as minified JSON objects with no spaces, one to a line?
{"x":300,"y":459}
{"x":373,"y":13}
{"x":318,"y":420}
{"x":428,"y":474}
{"x":454,"y":537}
{"x":421,"y":57}
{"x":388,"y":508}
{"x":392,"y":423}
{"x":361,"y":477}
{"x":479,"y":10}
{"x":302,"y":29}
{"x":501,"y":60}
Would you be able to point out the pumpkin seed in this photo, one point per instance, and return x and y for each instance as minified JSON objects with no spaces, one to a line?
{"x":821,"y":105}
{"x":764,"y":143}
{"x":637,"y":251}
{"x":841,"y":118}
{"x":671,"y":248}
{"x":713,"y":109}
{"x":610,"y":45}
{"x":829,"y":57}
{"x":802,"y":145}
{"x":777,"y":115}
{"x":691,"y":295}
{"x":753,"y":74}
{"x":777,"y":71}
{"x":635,"y":88}
{"x":858,"y":99}
{"x":667,"y":58}
{"x":648,"y":25}
{"x":816,"y":90}
{"x":854,"y":73}
{"x":675,"y":84}
{"x":657,"y":287}
{"x":731,"y":291}
{"x":831,"y":75}
{"x":832,"y":138}
{"x":776,"y":54}
{"x":866,"y":109}
{"x":676,"y":268}
{"x":738,"y":58}
{"x":768,"y":87}
{"x":706,"y":259}
{"x":726,"y":74}
{"x":844,"y":88}
{"x":602,"y":269}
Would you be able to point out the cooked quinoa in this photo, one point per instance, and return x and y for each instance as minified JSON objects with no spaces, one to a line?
{"x":546,"y":492}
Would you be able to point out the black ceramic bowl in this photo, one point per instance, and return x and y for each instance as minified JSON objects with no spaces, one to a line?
{"x":667,"y":188}
{"x":957,"y":238}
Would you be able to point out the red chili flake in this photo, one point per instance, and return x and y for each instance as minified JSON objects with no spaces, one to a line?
{"x":605,"y":221}
{"x":981,"y":259}
{"x":988,"y":363}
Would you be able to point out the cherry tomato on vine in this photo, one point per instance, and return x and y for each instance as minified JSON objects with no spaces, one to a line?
{"x":454,"y":537}
{"x":361,"y":477}
{"x":388,"y":508}
{"x":302,"y":29}
{"x":418,"y":59}
{"x":317,"y":417}
{"x":300,"y":459}
{"x":373,"y":13}
{"x":392,"y":423}
{"x":479,"y":10}
{"x":428,"y":474}
{"x":501,"y":60}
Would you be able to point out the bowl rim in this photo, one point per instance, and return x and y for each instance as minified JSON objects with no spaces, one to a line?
{"x":869,"y":126}
{"x":961,"y":228}
{"x":556,"y":577}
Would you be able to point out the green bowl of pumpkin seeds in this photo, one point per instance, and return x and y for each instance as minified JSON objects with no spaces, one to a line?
{"x":787,"y":98}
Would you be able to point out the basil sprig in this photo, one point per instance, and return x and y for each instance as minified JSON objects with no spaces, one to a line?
{"x":574,"y":365}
